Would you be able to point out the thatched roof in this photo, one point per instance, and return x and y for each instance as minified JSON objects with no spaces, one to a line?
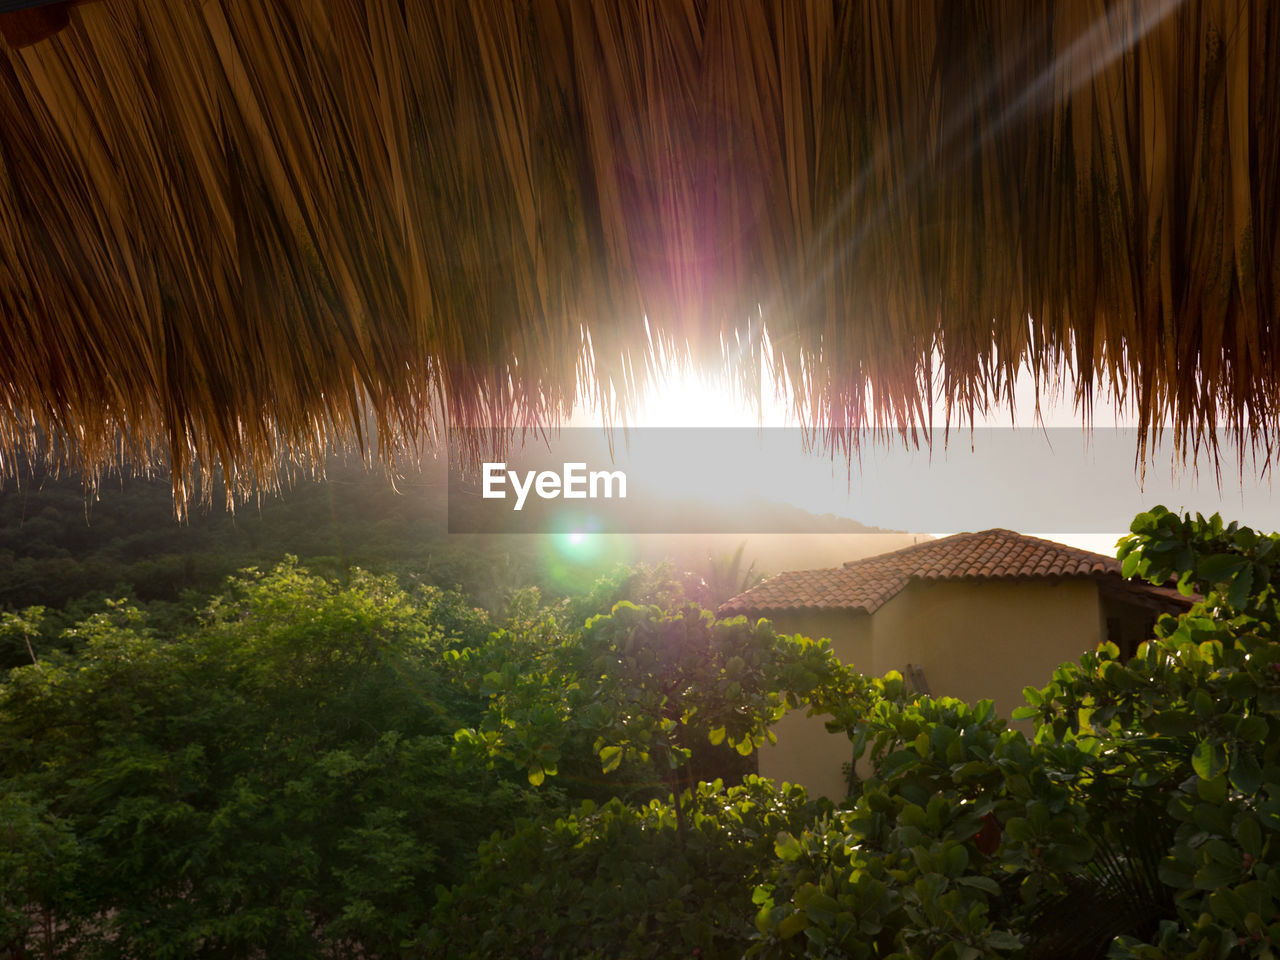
{"x":230,"y":231}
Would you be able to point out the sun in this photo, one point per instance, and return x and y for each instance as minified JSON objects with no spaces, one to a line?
{"x":680,"y":396}
{"x":687,"y":398}
{"x":778,"y":467}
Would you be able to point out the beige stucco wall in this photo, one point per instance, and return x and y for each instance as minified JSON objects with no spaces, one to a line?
{"x":806,"y":753}
{"x":849,"y":633}
{"x":987,"y":639}
{"x":976,"y":640}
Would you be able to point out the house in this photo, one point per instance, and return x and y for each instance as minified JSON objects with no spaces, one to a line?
{"x":974,"y":616}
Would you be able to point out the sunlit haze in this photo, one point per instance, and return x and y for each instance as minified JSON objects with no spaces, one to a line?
{"x":813,"y":481}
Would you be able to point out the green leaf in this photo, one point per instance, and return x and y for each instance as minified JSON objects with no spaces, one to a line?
{"x":1246,"y":775}
{"x":791,"y":925}
{"x":1130,"y":565}
{"x":1208,"y":759}
{"x":1201,"y":701}
{"x":1249,"y":836}
{"x":1003,"y":940}
{"x":957,"y":860}
{"x":787,"y":847}
{"x":1219,"y":567}
{"x":1222,"y":852}
{"x":1252,"y":728}
{"x":764,"y":918}
{"x":1019,"y":830}
{"x":985,"y":884}
{"x":716,"y":735}
{"x":1173,"y":723}
{"x":1212,"y":817}
{"x":821,"y":908}
{"x":610,"y":758}
{"x":898,"y":762}
{"x":1115,"y":673}
{"x":1227,"y":906}
{"x":1176,"y":874}
{"x":1212,"y":791}
{"x":1213,"y":875}
{"x":1241,"y":585}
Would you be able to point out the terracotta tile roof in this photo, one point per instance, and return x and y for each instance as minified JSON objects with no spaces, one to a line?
{"x":868,"y":584}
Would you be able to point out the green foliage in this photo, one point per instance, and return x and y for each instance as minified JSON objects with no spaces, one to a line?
{"x":280,"y":776}
{"x":70,"y":552}
{"x":1138,"y":822}
{"x":283,"y":772}
{"x":617,"y":880}
{"x":38,"y":860}
{"x":906,"y":869}
{"x":643,"y":684}
{"x":642,"y":584}
{"x":308,"y":767}
{"x":726,"y":578}
{"x":17,"y":631}
{"x":1194,"y":718}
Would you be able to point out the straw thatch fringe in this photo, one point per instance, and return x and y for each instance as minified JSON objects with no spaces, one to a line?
{"x":230,"y":231}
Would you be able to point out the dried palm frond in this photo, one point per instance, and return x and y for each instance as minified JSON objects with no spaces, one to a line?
{"x":233,"y":233}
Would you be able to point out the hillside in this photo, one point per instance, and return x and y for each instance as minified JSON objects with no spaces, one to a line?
{"x":68,"y":552}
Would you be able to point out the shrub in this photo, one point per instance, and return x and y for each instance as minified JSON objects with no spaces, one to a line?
{"x":616,"y":880}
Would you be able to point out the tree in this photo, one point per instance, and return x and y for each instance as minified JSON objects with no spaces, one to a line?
{"x":280,"y":776}
{"x":725,"y":577}
{"x":619,"y":880}
{"x":38,"y":861}
{"x":644,"y":684}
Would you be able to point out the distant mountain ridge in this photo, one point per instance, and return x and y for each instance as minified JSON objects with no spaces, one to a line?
{"x":57,"y":544}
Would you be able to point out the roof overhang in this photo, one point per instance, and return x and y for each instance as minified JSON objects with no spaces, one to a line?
{"x":235,"y":233}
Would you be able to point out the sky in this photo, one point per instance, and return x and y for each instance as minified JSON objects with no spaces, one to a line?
{"x":1051,"y":469}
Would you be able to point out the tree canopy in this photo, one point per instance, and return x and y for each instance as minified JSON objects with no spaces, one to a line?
{"x":326,"y":769}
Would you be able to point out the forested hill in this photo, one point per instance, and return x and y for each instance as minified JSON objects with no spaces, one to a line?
{"x":56,"y":544}
{"x":59,"y":547}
